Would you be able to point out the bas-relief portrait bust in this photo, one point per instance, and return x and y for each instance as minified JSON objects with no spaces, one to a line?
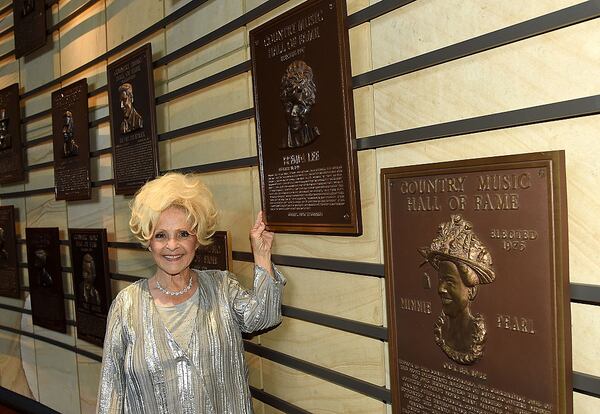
{"x":132,"y":120}
{"x":5,"y":139}
{"x":88,"y":293}
{"x":70,"y":147}
{"x":462,"y":263}
{"x":39,"y":262}
{"x":298,"y":94}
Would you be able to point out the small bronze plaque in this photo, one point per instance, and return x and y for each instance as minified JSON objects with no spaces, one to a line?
{"x":305,"y":121}
{"x":45,"y":278}
{"x":9,"y":266}
{"x":133,"y":120}
{"x":11,"y":148}
{"x":477,"y":285}
{"x":29,"y":18}
{"x":215,"y":256}
{"x":91,"y":282}
{"x":70,"y":130}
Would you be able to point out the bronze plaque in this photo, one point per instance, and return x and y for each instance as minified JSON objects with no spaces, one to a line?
{"x":215,"y":256}
{"x":305,"y":121}
{"x":70,"y":130}
{"x":91,"y":282}
{"x":11,"y":148}
{"x":45,"y":278}
{"x":133,"y":120}
{"x":477,"y":286}
{"x":9,"y":266}
{"x":30,"y":26}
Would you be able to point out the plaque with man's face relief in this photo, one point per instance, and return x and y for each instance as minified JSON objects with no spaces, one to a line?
{"x":45,"y":278}
{"x":133,"y":120}
{"x":305,"y":121}
{"x":9,"y":267}
{"x":70,"y":131}
{"x":477,"y":285}
{"x":29,"y":18}
{"x":91,"y":282}
{"x":11,"y":148}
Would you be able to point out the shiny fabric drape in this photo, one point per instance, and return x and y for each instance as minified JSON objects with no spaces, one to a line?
{"x":145,"y":371}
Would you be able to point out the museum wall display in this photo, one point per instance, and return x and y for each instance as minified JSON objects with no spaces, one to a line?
{"x":431,"y":82}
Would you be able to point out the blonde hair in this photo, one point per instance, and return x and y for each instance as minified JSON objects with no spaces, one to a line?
{"x":173,"y":189}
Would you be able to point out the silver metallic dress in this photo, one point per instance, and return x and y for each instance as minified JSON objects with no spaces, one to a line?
{"x":144,"y":370}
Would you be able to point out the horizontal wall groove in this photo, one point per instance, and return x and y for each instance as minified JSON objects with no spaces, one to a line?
{"x":218,"y":166}
{"x":276,"y":402}
{"x":374,"y":11}
{"x":341,"y":324}
{"x":520,"y":31}
{"x":363,"y":387}
{"x":537,"y":114}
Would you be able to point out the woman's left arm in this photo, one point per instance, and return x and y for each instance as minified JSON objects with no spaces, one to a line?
{"x":260,"y":307}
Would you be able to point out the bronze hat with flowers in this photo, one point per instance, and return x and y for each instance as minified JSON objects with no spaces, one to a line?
{"x":456,"y":242}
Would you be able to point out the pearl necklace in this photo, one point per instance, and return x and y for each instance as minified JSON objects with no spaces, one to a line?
{"x":175,"y":293}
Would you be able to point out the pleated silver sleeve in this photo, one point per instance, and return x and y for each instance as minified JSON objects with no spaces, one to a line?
{"x":144,"y":370}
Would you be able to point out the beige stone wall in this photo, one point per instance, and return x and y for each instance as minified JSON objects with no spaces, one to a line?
{"x":560,"y":65}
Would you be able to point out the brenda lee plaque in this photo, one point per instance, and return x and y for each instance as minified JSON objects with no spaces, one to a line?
{"x":11,"y":149}
{"x":132,"y":120}
{"x":71,"y":142}
{"x":216,"y":255}
{"x":45,"y":278}
{"x":30,"y":26}
{"x":477,"y":286}
{"x":91,"y":282}
{"x":305,"y":121}
{"x":9,"y":268}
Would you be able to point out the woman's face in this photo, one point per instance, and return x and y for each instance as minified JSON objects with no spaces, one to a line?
{"x":452,"y":290}
{"x":173,"y":245}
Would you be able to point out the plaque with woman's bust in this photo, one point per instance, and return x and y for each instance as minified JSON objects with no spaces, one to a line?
{"x":11,"y":148}
{"x":29,"y":18}
{"x":215,"y":256}
{"x":133,"y":120}
{"x":91,"y":282}
{"x":9,"y":266}
{"x":477,"y":286}
{"x":70,"y":131}
{"x":45,"y":278}
{"x":305,"y":121}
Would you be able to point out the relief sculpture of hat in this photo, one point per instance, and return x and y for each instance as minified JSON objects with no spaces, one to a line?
{"x":457,"y":242}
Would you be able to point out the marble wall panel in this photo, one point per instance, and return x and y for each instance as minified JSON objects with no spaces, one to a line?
{"x":251,"y":4}
{"x":506,"y":78}
{"x":132,"y":262}
{"x":9,"y":72}
{"x":364,"y":112}
{"x":585,"y":404}
{"x":100,"y":137}
{"x":88,"y":374}
{"x":313,"y":394}
{"x":82,"y":40}
{"x":43,"y":65}
{"x":364,"y":248}
{"x":576,"y":136}
{"x":41,"y":127}
{"x":344,"y":295}
{"x":217,"y":100}
{"x":218,"y":144}
{"x":423,"y":26}
{"x":94,"y":213}
{"x":42,"y":178}
{"x":122,"y":215}
{"x":585,"y":321}
{"x":126,"y":18}
{"x":203,"y":20}
{"x":10,"y":188}
{"x":44,"y":211}
{"x":7,"y":42}
{"x":12,"y":375}
{"x":39,"y":154}
{"x":352,"y":6}
{"x":360,"y":48}
{"x":101,"y":167}
{"x":354,"y":355}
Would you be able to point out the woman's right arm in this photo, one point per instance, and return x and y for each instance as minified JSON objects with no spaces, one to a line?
{"x":112,"y":379}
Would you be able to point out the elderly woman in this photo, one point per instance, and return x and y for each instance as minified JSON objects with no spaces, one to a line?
{"x":173,"y":342}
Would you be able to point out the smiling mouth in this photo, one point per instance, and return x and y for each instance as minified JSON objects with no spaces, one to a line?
{"x":446,"y":301}
{"x":173,"y":257}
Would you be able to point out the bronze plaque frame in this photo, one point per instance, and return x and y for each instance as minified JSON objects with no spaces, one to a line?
{"x":217,"y":255}
{"x":11,"y":146}
{"x":71,"y":138}
{"x":10,"y":280}
{"x":305,"y":121}
{"x":45,"y":278}
{"x":492,"y":232}
{"x":134,"y":138}
{"x":30,"y":26}
{"x":91,"y":282}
